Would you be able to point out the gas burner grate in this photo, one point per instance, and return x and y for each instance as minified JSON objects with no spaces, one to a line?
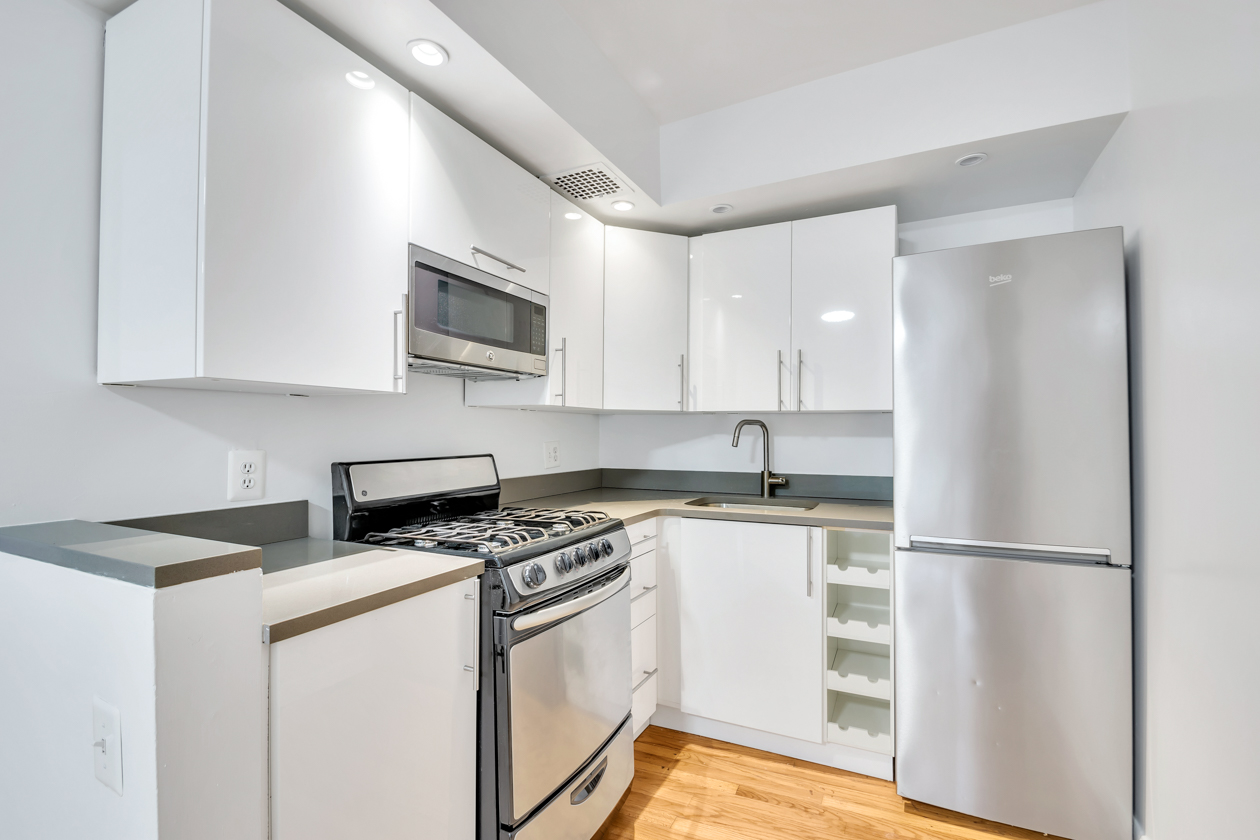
{"x":560,"y":521}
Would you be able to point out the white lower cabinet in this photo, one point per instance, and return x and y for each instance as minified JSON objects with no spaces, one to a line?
{"x":750,"y":608}
{"x":643,"y":647}
{"x":373,"y":723}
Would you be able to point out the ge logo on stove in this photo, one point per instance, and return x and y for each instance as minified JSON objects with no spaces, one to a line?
{"x":490,"y":355}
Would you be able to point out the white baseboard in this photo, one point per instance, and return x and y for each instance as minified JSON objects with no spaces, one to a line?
{"x":832,"y":755}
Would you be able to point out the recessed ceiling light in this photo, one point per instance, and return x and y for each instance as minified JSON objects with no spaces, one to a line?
{"x":429,"y":52}
{"x":623,"y":205}
{"x":360,"y":80}
{"x":972,"y":160}
{"x":573,"y":216}
{"x":737,"y":296}
{"x":721,"y":208}
{"x":837,"y":316}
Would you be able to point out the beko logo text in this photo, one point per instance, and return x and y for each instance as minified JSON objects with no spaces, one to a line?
{"x":999,"y":279}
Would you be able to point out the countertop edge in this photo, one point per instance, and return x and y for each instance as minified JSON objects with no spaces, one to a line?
{"x":296,"y":626}
{"x":770,"y":518}
{"x":225,"y":559}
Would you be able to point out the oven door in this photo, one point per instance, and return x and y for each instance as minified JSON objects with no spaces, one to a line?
{"x":463,"y":315}
{"x":565,"y":691}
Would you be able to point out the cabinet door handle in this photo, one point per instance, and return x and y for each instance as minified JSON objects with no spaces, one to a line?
{"x":800,"y":380}
{"x":475,"y":668}
{"x":563,"y":350}
{"x":486,"y":253}
{"x":809,"y":562}
{"x":400,"y":346}
{"x":779,"y":404}
{"x":682,"y":382}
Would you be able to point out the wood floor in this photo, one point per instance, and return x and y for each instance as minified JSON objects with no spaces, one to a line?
{"x":692,"y":788}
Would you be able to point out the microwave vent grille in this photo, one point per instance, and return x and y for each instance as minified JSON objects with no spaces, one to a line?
{"x":587,"y":182}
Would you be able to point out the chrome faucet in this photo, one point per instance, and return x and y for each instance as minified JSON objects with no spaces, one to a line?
{"x":768,"y":479}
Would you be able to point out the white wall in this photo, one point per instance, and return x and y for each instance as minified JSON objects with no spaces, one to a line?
{"x":74,"y":449}
{"x":1004,"y":223}
{"x":1053,"y":70}
{"x":1182,"y":176}
{"x":822,"y":444}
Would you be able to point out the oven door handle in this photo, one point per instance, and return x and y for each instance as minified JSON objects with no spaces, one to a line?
{"x":575,"y":606}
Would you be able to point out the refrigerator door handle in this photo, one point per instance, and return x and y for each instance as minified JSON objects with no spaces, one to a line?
{"x":1023,"y":551}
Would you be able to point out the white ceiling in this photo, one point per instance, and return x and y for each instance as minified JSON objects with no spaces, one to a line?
{"x":686,"y":57}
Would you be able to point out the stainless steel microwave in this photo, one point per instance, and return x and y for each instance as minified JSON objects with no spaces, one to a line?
{"x":467,"y":323}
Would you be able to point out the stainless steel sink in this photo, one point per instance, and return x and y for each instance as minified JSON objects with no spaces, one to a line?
{"x":752,"y":503}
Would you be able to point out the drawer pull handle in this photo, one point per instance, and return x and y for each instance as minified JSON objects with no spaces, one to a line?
{"x":588,"y":787}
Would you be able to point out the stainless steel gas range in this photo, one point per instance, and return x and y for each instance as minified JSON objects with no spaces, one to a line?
{"x":555,"y":745}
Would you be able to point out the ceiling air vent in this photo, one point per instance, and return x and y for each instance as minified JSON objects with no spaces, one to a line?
{"x":587,"y":182}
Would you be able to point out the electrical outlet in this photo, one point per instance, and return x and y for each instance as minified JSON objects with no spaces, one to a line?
{"x":107,"y":745}
{"x":551,"y":454}
{"x":247,"y":474}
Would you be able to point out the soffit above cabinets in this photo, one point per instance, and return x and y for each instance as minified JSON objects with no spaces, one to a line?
{"x":687,"y":58}
{"x":540,"y":81}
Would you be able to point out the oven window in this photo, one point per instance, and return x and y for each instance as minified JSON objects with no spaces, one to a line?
{"x":445,"y":304}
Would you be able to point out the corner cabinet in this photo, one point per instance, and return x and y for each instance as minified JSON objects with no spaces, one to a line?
{"x":373,"y":723}
{"x":842,"y":311}
{"x":253,"y":204}
{"x":471,"y":203}
{"x":575,"y":323}
{"x":645,"y":320}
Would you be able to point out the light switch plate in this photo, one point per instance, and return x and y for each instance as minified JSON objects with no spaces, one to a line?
{"x":551,"y":454}
{"x":247,"y":475}
{"x":107,"y":745}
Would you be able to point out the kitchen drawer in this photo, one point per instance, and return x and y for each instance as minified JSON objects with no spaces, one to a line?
{"x":641,"y":548}
{"x":643,"y":608}
{"x":644,"y":705}
{"x":641,"y":531}
{"x":642,"y":574}
{"x":643,"y":651}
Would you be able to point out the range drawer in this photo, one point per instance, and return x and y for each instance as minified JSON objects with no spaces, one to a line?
{"x":642,"y":574}
{"x":642,"y":651}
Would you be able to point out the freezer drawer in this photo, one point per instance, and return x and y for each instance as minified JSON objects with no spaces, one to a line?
{"x":1014,"y":691}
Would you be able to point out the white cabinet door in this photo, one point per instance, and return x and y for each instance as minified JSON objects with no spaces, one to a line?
{"x":575,"y":322}
{"x":741,"y":310}
{"x":645,"y":319}
{"x":373,"y":724}
{"x":842,"y":311}
{"x":254,"y":211}
{"x":465,"y":194}
{"x":750,"y":626}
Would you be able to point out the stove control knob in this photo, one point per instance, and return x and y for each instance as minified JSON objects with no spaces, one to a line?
{"x":534,"y":575}
{"x":592,"y":552}
{"x":606,"y":546}
{"x":579,"y":555}
{"x":563,"y":564}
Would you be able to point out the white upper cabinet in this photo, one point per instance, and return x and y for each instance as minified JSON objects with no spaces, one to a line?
{"x":575,"y":322}
{"x":645,"y":320}
{"x":472,"y":204}
{"x":253,"y":204}
{"x":741,"y":309}
{"x":842,"y":311}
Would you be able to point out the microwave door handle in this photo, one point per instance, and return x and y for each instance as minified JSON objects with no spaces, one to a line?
{"x":486,"y":253}
{"x":577,"y":605}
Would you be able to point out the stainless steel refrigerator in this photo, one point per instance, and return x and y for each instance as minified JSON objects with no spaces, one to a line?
{"x":1012,"y":583}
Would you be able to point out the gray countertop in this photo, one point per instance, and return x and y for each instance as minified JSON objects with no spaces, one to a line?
{"x":127,"y":554}
{"x":633,"y":506}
